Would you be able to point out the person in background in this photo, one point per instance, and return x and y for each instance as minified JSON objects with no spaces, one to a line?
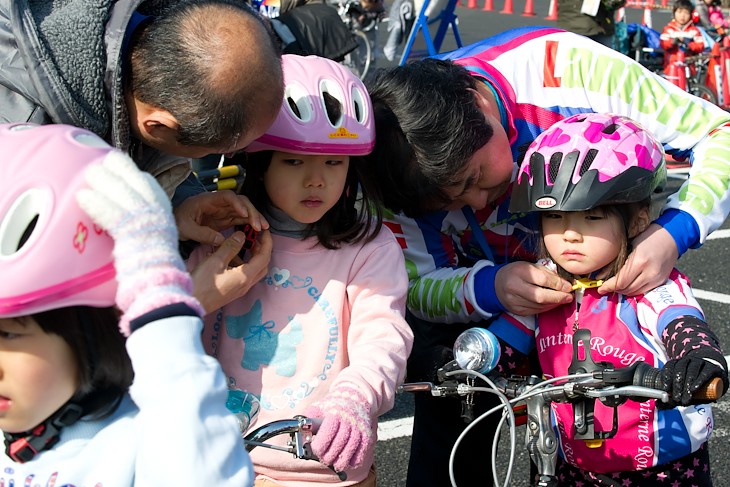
{"x":451,"y":132}
{"x":163,"y":81}
{"x":323,"y":334}
{"x":708,"y":14}
{"x":594,"y":19}
{"x":680,"y":34}
{"x":590,"y":178}
{"x":71,"y":412}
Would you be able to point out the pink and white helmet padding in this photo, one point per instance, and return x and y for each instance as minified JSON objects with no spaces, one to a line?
{"x":51,"y":253}
{"x":304,"y":124}
{"x":588,"y":160}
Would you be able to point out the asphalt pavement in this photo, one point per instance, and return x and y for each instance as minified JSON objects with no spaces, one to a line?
{"x":706,"y":268}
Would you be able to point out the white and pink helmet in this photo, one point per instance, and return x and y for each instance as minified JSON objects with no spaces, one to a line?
{"x":305,"y":125}
{"x":51,"y":253}
{"x":588,"y":160}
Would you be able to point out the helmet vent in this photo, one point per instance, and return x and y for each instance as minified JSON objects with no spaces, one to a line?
{"x":18,"y":225}
{"x":298,"y":102}
{"x":333,"y":108}
{"x":333,"y":101}
{"x":28,"y":232}
{"x":294,"y":107}
{"x":588,"y":161}
{"x":360,"y":105}
{"x":554,"y":166}
{"x":609,"y":129}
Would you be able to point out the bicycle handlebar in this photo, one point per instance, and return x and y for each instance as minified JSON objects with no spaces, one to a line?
{"x":586,"y":381}
{"x":640,"y":379}
{"x":300,"y":429}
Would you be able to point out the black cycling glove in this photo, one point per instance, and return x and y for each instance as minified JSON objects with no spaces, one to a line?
{"x":698,"y":359}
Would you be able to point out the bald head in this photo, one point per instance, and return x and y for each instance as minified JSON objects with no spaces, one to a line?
{"x":214,"y":66}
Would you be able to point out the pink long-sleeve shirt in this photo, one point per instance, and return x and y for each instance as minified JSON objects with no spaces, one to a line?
{"x":319,"y":318}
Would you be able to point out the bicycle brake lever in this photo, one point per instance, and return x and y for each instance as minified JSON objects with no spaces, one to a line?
{"x":447,"y":388}
{"x":302,"y":443}
{"x":414,"y":387}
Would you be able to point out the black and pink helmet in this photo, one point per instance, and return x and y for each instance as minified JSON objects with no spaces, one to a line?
{"x":588,"y":160}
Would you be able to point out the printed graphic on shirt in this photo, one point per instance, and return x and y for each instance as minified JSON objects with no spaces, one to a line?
{"x":263,"y":345}
{"x":272,"y":345}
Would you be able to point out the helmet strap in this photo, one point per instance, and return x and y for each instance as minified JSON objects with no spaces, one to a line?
{"x":23,"y":447}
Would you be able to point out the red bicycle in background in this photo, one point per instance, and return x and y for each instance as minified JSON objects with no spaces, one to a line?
{"x":705,"y":75}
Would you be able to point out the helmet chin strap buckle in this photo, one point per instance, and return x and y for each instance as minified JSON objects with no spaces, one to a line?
{"x":23,"y":447}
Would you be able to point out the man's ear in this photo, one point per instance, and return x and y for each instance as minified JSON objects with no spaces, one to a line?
{"x":640,"y":222}
{"x":154,"y":125}
{"x":159,"y":124}
{"x":483,"y":102}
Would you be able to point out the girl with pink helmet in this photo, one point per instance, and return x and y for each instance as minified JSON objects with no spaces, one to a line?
{"x":591,"y":177}
{"x":77,"y":237}
{"x":323,"y":334}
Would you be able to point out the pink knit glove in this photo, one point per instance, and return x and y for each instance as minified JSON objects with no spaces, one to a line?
{"x":345,"y":435}
{"x":135,"y":210}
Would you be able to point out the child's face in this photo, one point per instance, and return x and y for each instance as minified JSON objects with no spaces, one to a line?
{"x":582,"y":242}
{"x":682,"y":16}
{"x":305,"y":186}
{"x":38,"y":374}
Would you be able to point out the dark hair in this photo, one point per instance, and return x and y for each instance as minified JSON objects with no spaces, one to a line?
{"x":105,"y":370}
{"x":179,"y":61}
{"x":682,"y":4}
{"x":626,"y":212}
{"x":428,"y":126}
{"x":357,"y":216}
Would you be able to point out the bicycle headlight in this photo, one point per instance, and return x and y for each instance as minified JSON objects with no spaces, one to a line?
{"x":477,"y":349}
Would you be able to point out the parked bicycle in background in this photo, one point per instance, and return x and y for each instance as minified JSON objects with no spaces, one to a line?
{"x":362,"y":18}
{"x":342,"y":30}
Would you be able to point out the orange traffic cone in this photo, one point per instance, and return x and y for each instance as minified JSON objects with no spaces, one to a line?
{"x":488,"y":5}
{"x":646,"y":19}
{"x":725,"y":57}
{"x":529,"y":9}
{"x":507,"y":7}
{"x":471,"y":4}
{"x":679,"y":67}
{"x":552,"y":10}
{"x":714,"y":73}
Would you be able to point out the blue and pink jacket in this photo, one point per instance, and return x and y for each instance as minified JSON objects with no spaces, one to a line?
{"x":624,"y":330}
{"x":542,"y":75}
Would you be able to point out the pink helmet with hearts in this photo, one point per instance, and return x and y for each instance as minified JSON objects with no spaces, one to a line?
{"x":326,"y":110}
{"x":588,"y":160}
{"x":51,"y":253}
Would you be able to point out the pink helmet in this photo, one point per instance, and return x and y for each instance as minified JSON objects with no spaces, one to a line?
{"x":306,"y":125}
{"x":588,"y":160}
{"x":51,"y":253}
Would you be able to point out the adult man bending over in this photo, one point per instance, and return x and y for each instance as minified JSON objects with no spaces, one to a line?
{"x":163,"y":80}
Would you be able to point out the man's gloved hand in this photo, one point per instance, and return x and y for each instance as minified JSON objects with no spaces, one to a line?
{"x":135,"y":210}
{"x":346,"y":435}
{"x":684,"y":376}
